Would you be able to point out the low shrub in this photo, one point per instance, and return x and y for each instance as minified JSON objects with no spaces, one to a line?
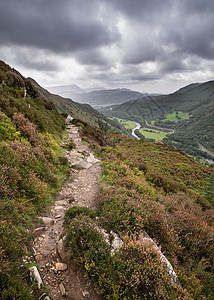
{"x":75,"y":211}
{"x":135,"y":271}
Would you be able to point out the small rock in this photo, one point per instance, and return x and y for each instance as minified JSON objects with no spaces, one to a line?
{"x":61,"y":266}
{"x":38,"y":230}
{"x":46,"y":297}
{"x":61,"y":202}
{"x":47,"y":221}
{"x":92,"y":159}
{"x":58,"y":216}
{"x":62,"y":250}
{"x":86,"y":294}
{"x":59,"y":207}
{"x":82,"y":164}
{"x":117,"y":243}
{"x":62,"y":289}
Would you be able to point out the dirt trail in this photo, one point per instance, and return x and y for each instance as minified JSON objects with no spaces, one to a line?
{"x":81,"y":189}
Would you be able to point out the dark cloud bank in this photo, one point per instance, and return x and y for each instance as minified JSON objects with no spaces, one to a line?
{"x":158,"y":38}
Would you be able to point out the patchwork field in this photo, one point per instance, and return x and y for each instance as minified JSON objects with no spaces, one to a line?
{"x":176,"y":116}
{"x":153,"y":134}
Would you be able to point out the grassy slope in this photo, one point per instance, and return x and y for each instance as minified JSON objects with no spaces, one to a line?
{"x":32,"y":169}
{"x":155,"y":188}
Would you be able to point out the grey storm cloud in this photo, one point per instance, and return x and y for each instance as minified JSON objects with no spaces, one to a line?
{"x":60,"y":26}
{"x":92,"y":57}
{"x":110,"y":36}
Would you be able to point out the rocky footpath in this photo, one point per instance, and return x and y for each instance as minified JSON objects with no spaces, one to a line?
{"x":57,"y":272}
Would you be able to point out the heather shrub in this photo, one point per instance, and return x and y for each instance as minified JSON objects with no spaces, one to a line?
{"x":75,"y":211}
{"x":164,"y":201}
{"x":135,"y":271}
{"x":122,"y":211}
{"x":142,"y":274}
{"x":27,"y":128}
{"x":195,"y":236}
{"x":10,"y":179}
{"x":209,"y":190}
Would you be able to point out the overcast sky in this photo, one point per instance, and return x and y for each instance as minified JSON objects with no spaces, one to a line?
{"x":146,"y":45}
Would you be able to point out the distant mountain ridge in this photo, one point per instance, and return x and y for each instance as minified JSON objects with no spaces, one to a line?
{"x":96,"y":96}
{"x":69,"y":90}
{"x":77,"y":110}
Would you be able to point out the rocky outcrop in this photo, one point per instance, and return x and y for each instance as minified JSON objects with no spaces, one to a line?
{"x":173,"y":276}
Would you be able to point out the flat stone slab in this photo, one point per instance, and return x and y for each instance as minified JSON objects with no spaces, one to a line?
{"x":47,"y":221}
{"x":92,"y":159}
{"x":61,"y":202}
{"x":38,"y":230}
{"x":82,"y":164}
{"x":59,"y":207}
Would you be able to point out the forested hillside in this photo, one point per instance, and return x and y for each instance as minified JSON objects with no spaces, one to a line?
{"x":196,"y":100}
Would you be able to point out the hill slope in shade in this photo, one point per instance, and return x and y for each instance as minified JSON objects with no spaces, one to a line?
{"x":83,"y":112}
{"x":32,"y":169}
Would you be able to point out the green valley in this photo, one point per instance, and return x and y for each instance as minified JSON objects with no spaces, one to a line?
{"x":189,"y":111}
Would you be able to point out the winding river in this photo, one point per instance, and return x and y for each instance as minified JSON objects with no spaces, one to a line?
{"x":210,"y":161}
{"x":138,"y":126}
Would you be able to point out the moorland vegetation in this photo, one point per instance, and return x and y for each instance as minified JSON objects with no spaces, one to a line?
{"x":32,"y":169}
{"x":146,"y":188}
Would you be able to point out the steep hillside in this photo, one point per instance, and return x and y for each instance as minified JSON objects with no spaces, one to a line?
{"x":83,"y":112}
{"x":32,"y":169}
{"x":197,"y":100}
{"x":147,"y":189}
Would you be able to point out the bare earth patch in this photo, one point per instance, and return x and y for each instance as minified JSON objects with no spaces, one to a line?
{"x":67,"y":281}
